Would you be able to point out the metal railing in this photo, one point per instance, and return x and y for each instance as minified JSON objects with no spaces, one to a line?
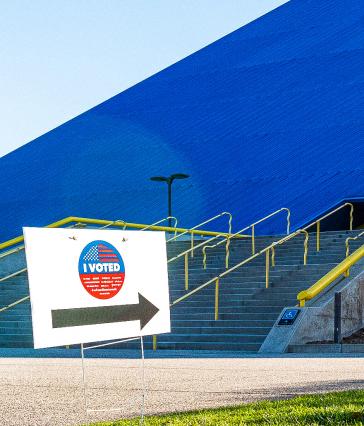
{"x":117,"y":222}
{"x":124,"y":224}
{"x":347,"y":248}
{"x":347,"y":245}
{"x":105,"y":224}
{"x":102,"y":222}
{"x":185,"y":254}
{"x":164,"y":220}
{"x":252,"y":227}
{"x":318,"y":221}
{"x":330,"y":277}
{"x":194,"y":229}
{"x":12,"y":251}
{"x":17,"y":302}
{"x":21,"y":247}
{"x":226,"y":238}
{"x":266,"y":250}
{"x":270,"y":249}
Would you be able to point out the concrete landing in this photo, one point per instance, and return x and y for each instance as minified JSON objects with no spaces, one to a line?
{"x":49,"y":391}
{"x":345,"y":348}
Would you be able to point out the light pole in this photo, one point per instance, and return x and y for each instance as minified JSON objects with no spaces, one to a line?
{"x":169,"y":180}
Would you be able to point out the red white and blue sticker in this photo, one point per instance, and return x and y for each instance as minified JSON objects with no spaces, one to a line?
{"x":101,"y":269}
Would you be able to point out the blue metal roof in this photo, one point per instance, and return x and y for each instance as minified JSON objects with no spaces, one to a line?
{"x":271,"y":115}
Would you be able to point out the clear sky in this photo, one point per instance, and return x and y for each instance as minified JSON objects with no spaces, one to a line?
{"x":62,"y":57}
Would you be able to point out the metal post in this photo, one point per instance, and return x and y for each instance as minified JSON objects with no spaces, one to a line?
{"x":305,"y":250}
{"x":337,"y":318}
{"x":253,"y":239}
{"x":154,"y":342}
{"x":318,"y":236}
{"x":192,"y":243}
{"x":267,"y":268}
{"x":351,"y":216}
{"x":186,"y":271}
{"x":347,"y":272}
{"x":83,"y":379}
{"x":143,"y":382}
{"x":273,"y":257}
{"x":217,"y":299}
{"x":227,"y":253}
{"x":288,"y":221}
{"x":169,"y":183}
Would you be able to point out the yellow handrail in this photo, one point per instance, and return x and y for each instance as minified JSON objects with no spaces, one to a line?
{"x":216,"y":279}
{"x":330,"y":277}
{"x":271,"y":249}
{"x":70,"y":219}
{"x":185,"y":254}
{"x":193,"y":231}
{"x":252,"y":227}
{"x":106,"y":224}
{"x":19,"y":248}
{"x":318,"y":222}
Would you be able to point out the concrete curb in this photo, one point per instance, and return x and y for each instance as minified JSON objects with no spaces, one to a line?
{"x":327,"y":348}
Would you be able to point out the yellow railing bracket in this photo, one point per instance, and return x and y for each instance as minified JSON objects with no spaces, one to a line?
{"x":330,"y":277}
{"x":267,"y":257}
{"x":186,"y":271}
{"x":217,"y":299}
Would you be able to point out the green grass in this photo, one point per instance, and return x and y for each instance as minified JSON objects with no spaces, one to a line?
{"x":338,"y":408}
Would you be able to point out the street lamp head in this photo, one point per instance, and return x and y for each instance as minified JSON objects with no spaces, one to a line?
{"x":169,"y":181}
{"x":159,"y":179}
{"x":170,"y":178}
{"x":179,"y":176}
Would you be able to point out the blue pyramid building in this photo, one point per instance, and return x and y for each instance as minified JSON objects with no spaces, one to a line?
{"x":271,"y":115}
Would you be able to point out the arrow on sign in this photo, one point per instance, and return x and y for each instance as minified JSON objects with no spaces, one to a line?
{"x":143,"y":311}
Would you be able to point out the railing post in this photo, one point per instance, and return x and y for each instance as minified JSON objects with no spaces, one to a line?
{"x":186,"y":271}
{"x":227,"y":252}
{"x":318,"y":225}
{"x":288,"y":221}
{"x":217,"y":299}
{"x":253,"y":239}
{"x":347,"y":252}
{"x":204,"y":257}
{"x":351,"y":216}
{"x":337,"y":318}
{"x":267,"y":268}
{"x":273,"y":257}
{"x":154,"y":342}
{"x":192,"y":244}
{"x":305,"y":250}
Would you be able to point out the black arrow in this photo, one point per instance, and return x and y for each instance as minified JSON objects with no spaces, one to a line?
{"x":143,"y":311}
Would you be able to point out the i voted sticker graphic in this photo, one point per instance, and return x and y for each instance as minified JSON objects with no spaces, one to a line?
{"x":101,"y":269}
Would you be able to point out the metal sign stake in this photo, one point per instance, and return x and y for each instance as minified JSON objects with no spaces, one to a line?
{"x":143,"y":382}
{"x":83,"y":349}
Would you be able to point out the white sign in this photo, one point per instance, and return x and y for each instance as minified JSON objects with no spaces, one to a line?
{"x":93,"y":285}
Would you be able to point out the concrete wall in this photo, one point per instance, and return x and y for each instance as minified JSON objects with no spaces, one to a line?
{"x":316,"y":323}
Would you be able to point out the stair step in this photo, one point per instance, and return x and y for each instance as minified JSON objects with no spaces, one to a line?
{"x":247,"y":310}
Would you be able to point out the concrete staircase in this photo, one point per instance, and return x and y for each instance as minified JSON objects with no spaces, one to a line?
{"x":247,"y":309}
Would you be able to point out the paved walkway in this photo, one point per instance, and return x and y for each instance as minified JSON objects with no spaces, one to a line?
{"x":41,"y":392}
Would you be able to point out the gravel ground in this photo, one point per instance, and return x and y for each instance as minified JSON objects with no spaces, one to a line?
{"x":49,"y":391}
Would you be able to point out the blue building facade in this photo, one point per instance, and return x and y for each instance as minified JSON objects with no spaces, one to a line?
{"x":270,"y":116}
